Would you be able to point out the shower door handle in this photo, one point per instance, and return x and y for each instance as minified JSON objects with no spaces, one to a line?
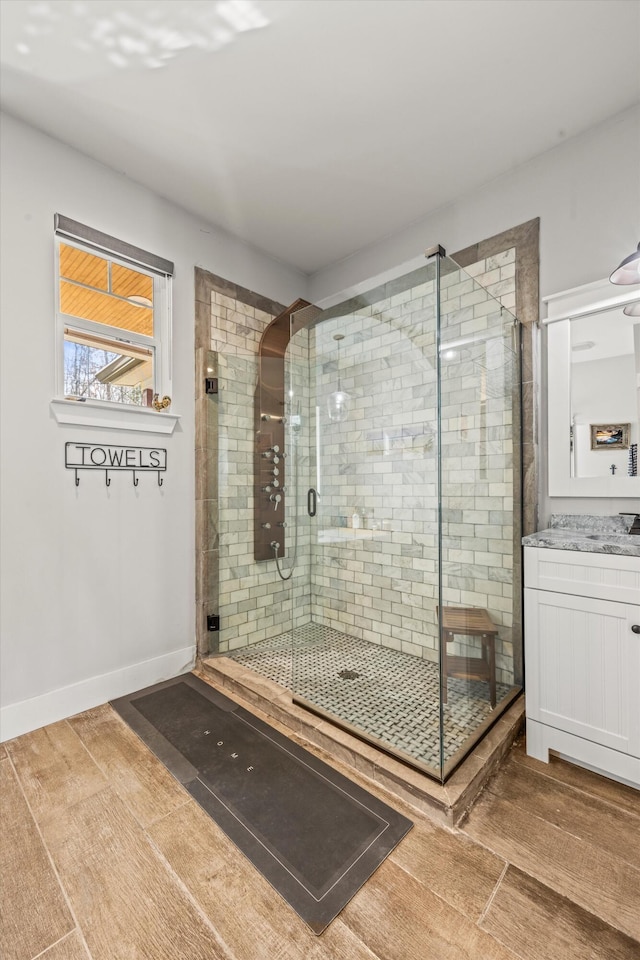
{"x":312,"y":502}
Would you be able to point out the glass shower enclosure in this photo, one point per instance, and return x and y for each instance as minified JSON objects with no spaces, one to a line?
{"x":402,"y":513}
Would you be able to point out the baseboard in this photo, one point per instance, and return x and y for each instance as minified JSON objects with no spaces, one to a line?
{"x":593,"y":756}
{"x":27,"y":715}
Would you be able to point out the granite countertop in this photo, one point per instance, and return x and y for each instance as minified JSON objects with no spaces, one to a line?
{"x":587,"y":534}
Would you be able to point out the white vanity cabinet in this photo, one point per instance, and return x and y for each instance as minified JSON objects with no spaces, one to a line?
{"x":582,"y":658}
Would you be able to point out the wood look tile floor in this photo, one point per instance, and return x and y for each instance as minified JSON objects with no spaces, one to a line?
{"x":103,"y":855}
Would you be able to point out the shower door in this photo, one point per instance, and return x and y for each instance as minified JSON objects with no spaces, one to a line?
{"x":362,"y":389}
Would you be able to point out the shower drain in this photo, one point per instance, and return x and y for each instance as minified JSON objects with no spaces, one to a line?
{"x":348,"y":674}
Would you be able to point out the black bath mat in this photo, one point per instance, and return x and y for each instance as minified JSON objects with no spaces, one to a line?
{"x":313,"y":834}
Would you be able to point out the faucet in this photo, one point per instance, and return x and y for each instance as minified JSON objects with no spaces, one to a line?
{"x":635,"y":523}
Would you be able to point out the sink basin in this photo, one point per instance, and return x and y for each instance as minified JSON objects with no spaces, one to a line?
{"x":612,"y":537}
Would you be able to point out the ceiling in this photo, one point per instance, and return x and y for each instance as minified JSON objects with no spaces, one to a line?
{"x":313,"y":128}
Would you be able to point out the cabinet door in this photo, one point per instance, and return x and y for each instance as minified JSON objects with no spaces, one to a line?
{"x":583,"y":667}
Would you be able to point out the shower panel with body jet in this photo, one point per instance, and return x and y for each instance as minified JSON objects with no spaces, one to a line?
{"x":270,"y":455}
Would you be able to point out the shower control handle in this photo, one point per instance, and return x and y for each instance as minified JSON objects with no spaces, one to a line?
{"x":636,"y":628}
{"x":266,"y":489}
{"x":275,"y":499}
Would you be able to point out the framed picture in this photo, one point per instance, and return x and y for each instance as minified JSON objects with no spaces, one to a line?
{"x":610,"y":436}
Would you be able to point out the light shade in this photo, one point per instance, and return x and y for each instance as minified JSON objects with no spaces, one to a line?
{"x":338,"y":401}
{"x":629,"y":269}
{"x":338,"y":406}
{"x":632,"y":309}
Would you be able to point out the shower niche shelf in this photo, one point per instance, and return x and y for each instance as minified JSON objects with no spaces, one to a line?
{"x":349,"y":535}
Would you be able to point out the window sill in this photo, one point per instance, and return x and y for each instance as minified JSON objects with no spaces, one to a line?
{"x":95,"y":413}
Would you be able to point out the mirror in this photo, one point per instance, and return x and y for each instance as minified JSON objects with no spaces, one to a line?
{"x":604,"y":392}
{"x":593,"y":363}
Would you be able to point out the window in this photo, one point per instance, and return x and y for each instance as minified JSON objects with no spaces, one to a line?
{"x":113,"y":318}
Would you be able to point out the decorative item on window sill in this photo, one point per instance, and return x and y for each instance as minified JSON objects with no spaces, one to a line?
{"x":159,"y":404}
{"x":99,"y":456}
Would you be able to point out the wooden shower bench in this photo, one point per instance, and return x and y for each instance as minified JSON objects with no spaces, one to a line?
{"x":469,"y":622}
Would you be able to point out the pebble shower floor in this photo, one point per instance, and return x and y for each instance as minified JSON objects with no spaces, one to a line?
{"x":390,"y":695}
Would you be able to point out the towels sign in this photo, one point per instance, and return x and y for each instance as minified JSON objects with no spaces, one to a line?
{"x":108,"y":457}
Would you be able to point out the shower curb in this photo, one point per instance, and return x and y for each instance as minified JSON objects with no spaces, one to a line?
{"x":446,"y":803}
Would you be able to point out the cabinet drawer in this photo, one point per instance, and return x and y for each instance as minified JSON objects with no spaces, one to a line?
{"x":603,"y":576}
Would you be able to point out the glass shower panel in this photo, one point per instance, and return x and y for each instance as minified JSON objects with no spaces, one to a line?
{"x":480,"y":603}
{"x":366,"y":653}
{"x":255,"y":606}
{"x":300,"y":463}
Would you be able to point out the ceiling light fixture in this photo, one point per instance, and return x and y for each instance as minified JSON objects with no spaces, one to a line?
{"x":140,"y":301}
{"x":628,"y":271}
{"x":338,"y":401}
{"x":632,"y":309}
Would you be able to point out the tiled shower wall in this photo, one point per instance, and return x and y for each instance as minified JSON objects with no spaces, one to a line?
{"x":252,"y":601}
{"x":229,"y":324}
{"x":255,"y":603}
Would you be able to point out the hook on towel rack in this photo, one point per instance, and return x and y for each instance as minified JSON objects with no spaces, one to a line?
{"x":107,"y":478}
{"x":136,"y":481}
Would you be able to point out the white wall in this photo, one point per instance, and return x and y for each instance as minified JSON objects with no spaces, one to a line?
{"x":97,"y":586}
{"x":586,"y":192}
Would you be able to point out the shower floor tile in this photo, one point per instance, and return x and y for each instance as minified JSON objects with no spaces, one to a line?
{"x":389,"y":695}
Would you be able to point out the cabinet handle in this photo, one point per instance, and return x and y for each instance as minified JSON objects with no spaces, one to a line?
{"x":636,"y":627}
